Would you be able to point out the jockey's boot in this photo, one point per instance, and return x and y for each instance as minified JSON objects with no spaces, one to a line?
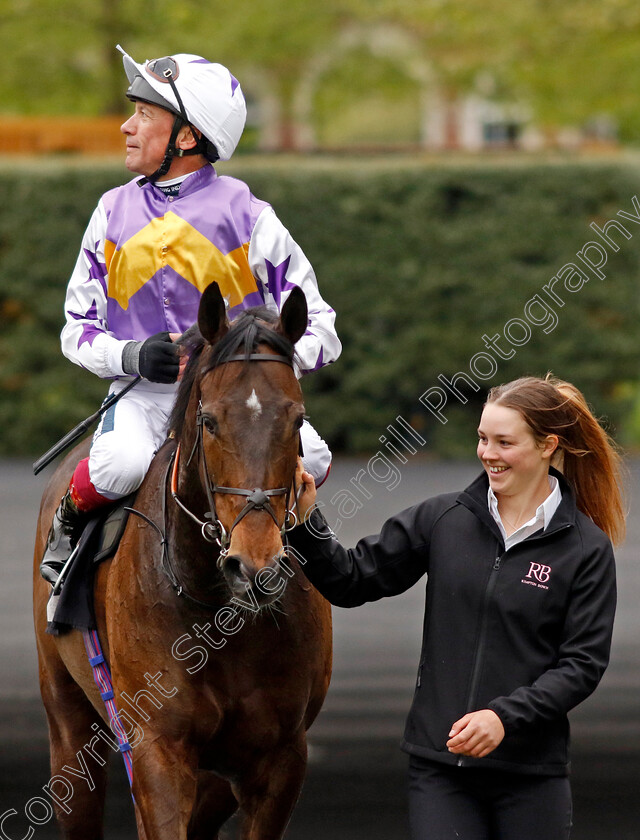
{"x":63,"y":536}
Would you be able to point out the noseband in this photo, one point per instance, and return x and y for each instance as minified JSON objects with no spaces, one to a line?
{"x":212,"y":529}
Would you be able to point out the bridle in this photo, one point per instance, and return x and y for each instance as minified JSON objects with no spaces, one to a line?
{"x":211,"y":527}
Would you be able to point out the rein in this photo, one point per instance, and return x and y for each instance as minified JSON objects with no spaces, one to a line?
{"x":166,"y":564}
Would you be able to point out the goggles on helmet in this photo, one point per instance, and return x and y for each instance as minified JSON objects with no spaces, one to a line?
{"x":163,"y":69}
{"x":166,"y":70}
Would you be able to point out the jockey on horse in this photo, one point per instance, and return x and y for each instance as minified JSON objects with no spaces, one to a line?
{"x":151,"y":247}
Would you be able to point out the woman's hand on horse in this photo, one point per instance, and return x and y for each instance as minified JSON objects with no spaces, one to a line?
{"x":306,"y":491}
{"x":476,"y":734}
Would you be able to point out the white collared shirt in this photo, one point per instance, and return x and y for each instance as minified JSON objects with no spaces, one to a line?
{"x":542,"y":517}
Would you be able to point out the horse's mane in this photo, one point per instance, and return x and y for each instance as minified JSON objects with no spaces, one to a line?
{"x":252,"y":327}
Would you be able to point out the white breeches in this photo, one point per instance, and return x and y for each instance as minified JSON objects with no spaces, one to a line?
{"x":132,"y":430}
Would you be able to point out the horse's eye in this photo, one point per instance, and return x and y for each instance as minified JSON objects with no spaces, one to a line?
{"x":297,"y":424}
{"x":209,"y":423}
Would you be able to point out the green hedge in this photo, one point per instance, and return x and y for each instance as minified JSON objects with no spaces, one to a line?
{"x":419,"y":261}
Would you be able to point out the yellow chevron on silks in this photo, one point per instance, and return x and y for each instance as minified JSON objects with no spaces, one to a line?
{"x":171,"y":241}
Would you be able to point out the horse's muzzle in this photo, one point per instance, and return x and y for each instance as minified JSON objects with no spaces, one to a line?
{"x":267,"y":581}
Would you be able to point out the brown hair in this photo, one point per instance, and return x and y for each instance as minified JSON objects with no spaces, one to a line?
{"x":587,"y":456}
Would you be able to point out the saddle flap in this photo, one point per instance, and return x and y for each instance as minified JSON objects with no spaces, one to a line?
{"x":112,"y":530}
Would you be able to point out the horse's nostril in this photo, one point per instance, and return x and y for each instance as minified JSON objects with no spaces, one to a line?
{"x":234,"y":567}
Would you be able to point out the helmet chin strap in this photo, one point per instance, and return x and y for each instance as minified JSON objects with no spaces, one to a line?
{"x":171,"y":151}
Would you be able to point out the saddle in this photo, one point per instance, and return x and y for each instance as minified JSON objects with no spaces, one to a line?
{"x":72,"y":608}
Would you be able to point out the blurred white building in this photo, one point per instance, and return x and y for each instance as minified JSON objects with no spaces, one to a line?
{"x":430,"y":118}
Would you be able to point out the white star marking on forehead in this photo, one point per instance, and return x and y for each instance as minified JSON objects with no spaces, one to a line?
{"x":253,"y":404}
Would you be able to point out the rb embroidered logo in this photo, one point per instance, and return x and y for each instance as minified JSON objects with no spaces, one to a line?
{"x":538,"y":575}
{"x":539,"y":572}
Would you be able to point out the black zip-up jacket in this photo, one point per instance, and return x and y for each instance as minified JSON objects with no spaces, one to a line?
{"x":524,"y":632}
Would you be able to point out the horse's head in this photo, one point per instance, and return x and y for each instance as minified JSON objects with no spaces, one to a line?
{"x":241,"y":425}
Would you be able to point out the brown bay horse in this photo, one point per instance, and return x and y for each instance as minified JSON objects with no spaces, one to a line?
{"x":219,"y":648}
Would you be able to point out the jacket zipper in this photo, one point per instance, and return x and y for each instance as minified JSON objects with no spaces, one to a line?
{"x":475,"y":676}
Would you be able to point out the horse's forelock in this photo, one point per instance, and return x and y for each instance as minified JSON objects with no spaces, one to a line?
{"x":251,"y":328}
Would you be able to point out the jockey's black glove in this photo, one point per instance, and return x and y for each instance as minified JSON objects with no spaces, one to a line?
{"x":155,"y":359}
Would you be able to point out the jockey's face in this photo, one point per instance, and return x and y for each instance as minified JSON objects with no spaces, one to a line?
{"x":147,"y":131}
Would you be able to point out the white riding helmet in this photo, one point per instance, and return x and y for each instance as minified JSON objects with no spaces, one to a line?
{"x":207,"y":94}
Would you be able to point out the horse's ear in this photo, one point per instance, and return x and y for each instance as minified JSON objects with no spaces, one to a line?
{"x":294,"y":315}
{"x":212,"y":314}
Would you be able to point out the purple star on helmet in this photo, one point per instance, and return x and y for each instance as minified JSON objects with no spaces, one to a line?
{"x":277,"y":279}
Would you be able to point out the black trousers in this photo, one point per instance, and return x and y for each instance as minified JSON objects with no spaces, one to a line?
{"x":462,"y":803}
